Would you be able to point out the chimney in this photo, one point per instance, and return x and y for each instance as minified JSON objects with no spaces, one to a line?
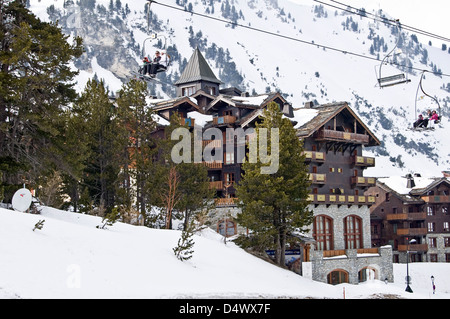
{"x":309,"y":105}
{"x":410,"y":181}
{"x":287,"y":110}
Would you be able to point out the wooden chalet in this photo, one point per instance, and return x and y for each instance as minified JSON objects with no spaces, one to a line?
{"x":415,"y":208}
{"x":334,"y":138}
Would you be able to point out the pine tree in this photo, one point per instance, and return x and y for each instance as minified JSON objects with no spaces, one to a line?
{"x":275,"y":205}
{"x":195,"y":193}
{"x":97,"y":117}
{"x":110,"y":218}
{"x":184,"y":250}
{"x":139,"y":145}
{"x":35,"y":87}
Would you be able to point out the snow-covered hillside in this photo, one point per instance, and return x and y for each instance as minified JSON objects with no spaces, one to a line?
{"x":258,"y":62}
{"x":71,"y":258}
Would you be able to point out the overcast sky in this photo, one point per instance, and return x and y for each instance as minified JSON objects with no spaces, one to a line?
{"x":428,"y":15}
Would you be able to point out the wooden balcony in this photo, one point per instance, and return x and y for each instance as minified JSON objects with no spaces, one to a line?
{"x":216,"y":185}
{"x":436,"y":198}
{"x":224,"y":202}
{"x":411,"y":231}
{"x":317,"y":178}
{"x":416,"y":247}
{"x":311,"y":156}
{"x":367,"y":251}
{"x":339,"y":136}
{"x":333,"y":253}
{"x":340,"y":199}
{"x":406,"y":216}
{"x":212,"y":143}
{"x":362,"y":181}
{"x":227,"y":119}
{"x":363,"y":161}
{"x":212,"y":165}
{"x":343,"y":252}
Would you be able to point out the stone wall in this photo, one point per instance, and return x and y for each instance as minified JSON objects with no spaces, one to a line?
{"x":440,"y":250}
{"x":352,"y":263}
{"x":338,"y":214}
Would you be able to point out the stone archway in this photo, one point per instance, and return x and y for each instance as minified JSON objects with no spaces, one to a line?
{"x":337,"y":276}
{"x":368,"y":274}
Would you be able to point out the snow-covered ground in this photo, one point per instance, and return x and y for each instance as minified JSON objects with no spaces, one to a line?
{"x":70,"y":258}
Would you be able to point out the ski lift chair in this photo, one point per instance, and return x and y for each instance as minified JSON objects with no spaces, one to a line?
{"x":395,"y":79}
{"x":392,"y":80}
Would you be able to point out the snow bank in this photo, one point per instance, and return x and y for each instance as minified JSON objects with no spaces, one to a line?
{"x":71,"y":258}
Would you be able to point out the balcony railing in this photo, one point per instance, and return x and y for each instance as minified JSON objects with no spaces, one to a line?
{"x":362,"y":181}
{"x":223,"y":202}
{"x":333,"y":253}
{"x":317,"y":178}
{"x":416,"y":247}
{"x":343,"y":252}
{"x":342,"y":136}
{"x":213,"y":165}
{"x":227,"y":119}
{"x":411,"y":231}
{"x":436,"y":198}
{"x":312,"y":156}
{"x":216,"y":184}
{"x":212,"y":143}
{"x":363,"y":161}
{"x":341,"y":199}
{"x":406,"y":216}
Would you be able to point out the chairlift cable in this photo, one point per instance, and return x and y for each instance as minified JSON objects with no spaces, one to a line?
{"x":297,"y":40}
{"x":383,"y":20}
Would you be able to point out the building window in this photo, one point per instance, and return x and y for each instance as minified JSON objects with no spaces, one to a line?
{"x":337,"y":277}
{"x":432,"y":242}
{"x":431,"y":227}
{"x":446,"y":228}
{"x":229,"y":157}
{"x":430,"y":211}
{"x":228,"y":178}
{"x":388,"y":197}
{"x":323,"y":232}
{"x":226,"y":228}
{"x":447,"y":241}
{"x":188,"y":91}
{"x":433,"y":258}
{"x":353,"y":232}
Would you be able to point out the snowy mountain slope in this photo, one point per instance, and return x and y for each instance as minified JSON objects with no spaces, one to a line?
{"x":259,"y":62}
{"x":70,"y":258}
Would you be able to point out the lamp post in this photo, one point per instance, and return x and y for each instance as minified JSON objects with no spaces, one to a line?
{"x":408,"y":288}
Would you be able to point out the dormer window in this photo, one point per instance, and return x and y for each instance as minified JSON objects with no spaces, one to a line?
{"x":188,"y":91}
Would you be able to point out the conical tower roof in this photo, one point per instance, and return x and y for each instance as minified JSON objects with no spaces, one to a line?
{"x":197,"y":69}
